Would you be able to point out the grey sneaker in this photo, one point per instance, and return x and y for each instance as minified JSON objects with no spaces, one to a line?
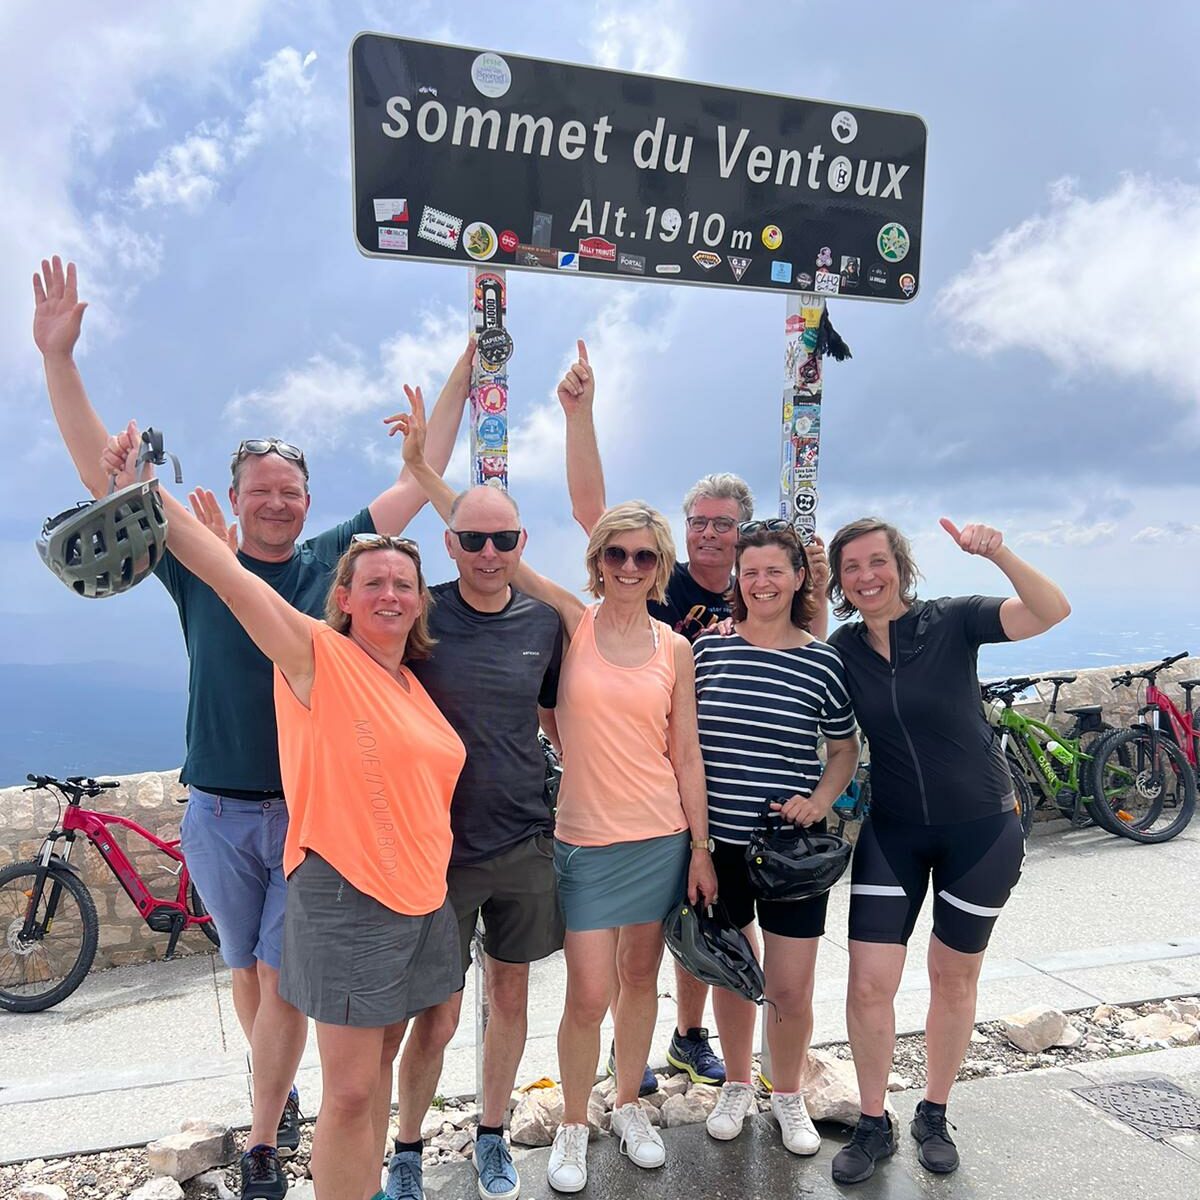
{"x":404,"y":1177}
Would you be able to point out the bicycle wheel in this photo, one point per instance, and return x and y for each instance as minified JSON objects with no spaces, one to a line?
{"x":37,"y":974}
{"x":197,"y":909}
{"x":1026,"y":802}
{"x":1144,"y":785}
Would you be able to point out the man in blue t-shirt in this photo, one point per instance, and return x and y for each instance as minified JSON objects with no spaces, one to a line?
{"x":234,"y":828}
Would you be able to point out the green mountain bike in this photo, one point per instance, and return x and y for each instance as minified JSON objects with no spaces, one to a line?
{"x":1049,"y":765}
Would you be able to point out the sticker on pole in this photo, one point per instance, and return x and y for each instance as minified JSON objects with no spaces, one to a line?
{"x":495,"y":348}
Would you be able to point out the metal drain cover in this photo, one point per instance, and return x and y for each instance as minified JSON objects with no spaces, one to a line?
{"x":1155,"y":1107}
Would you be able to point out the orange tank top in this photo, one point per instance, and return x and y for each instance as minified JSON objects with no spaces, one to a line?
{"x":368,"y":772}
{"x":618,"y":784}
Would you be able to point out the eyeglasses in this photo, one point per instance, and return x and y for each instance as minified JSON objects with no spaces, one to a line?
{"x":266,"y":446}
{"x":473,"y":540}
{"x":643,"y":560}
{"x":771,"y":525}
{"x":719,"y":524}
{"x":387,"y":541}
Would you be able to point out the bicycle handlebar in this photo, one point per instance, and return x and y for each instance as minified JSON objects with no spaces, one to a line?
{"x":77,"y":785}
{"x":1126,"y":678}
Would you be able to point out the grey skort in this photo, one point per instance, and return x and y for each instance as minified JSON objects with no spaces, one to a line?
{"x":349,"y":960}
{"x":627,"y":883}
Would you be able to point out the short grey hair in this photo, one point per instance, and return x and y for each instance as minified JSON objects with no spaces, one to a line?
{"x":723,"y":486}
{"x":457,"y":502}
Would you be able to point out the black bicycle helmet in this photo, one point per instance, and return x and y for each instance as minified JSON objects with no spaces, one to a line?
{"x":709,"y":946}
{"x":104,"y":547}
{"x":787,"y":862}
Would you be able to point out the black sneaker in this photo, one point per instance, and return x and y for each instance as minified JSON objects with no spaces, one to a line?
{"x":937,"y":1151}
{"x":287,"y":1139}
{"x":856,"y":1161}
{"x":261,"y":1177}
{"x":691,"y":1052}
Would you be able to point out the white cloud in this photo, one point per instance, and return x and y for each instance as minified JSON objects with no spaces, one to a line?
{"x":1110,"y":284}
{"x":1066,"y":533}
{"x":315,"y":401}
{"x":189,"y":173}
{"x":1171,"y":532}
{"x":651,"y":39}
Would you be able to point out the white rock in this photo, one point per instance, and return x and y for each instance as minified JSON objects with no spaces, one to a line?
{"x":1103,"y":1013}
{"x":673,"y":1085}
{"x":830,"y":1089}
{"x":457,"y":1141}
{"x":1182,"y":1010}
{"x":302,"y":1189}
{"x":977,"y":1037}
{"x":198,"y":1147}
{"x":216,"y":1180}
{"x":599,"y":1117}
{"x":34,"y":1166}
{"x":431,"y":1124}
{"x":42,"y":1191}
{"x":162,"y":1188}
{"x":462,"y":1117}
{"x":537,"y":1117}
{"x":690,"y":1107}
{"x":1035,"y":1029}
{"x":607,"y":1088}
{"x":1071,"y":1037}
{"x":1160,"y":1027}
{"x":656,"y":1098}
{"x":898,"y":1083}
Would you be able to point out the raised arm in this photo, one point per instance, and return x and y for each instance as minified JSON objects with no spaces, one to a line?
{"x":818,"y":568}
{"x":441,"y":495}
{"x":585,"y":475}
{"x":392,"y":510}
{"x":1039,"y":603}
{"x":57,"y":321}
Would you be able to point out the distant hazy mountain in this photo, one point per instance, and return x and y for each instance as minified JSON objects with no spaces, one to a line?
{"x":98,"y":718}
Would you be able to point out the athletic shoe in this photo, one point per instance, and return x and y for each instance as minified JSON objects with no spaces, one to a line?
{"x":498,"y":1178}
{"x":261,"y":1177}
{"x":937,"y":1151}
{"x":649,"y":1084}
{"x":691,"y":1052}
{"x":287,"y":1139}
{"x":567,"y":1169}
{"x":639,"y":1139}
{"x":404,"y":1176}
{"x":735,"y":1103}
{"x":870,"y":1142}
{"x":799,"y":1134}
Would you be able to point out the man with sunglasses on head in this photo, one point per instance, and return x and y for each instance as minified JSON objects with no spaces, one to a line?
{"x":494,"y":675}
{"x":236,"y":821}
{"x":698,"y":598}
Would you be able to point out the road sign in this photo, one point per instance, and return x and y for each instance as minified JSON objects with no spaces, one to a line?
{"x":472,"y":156}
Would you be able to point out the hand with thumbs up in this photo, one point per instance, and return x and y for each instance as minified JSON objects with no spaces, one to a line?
{"x":975,"y":539}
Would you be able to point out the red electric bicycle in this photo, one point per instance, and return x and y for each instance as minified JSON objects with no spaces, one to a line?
{"x":48,"y":924}
{"x":1147,"y":773}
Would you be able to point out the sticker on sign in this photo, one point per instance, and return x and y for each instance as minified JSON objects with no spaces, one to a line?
{"x":440,"y":228}
{"x":598,"y":247}
{"x":706,"y":259}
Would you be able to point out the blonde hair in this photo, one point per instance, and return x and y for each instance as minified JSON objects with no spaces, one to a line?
{"x":626,"y":518}
{"x":420,"y":642}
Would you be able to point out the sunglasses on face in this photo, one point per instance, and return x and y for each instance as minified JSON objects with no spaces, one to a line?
{"x":719,"y":524}
{"x":267,"y":446}
{"x":387,"y":541}
{"x":643,"y":560}
{"x":472,"y":540}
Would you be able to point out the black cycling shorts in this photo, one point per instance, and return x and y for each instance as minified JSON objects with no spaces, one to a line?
{"x":787,"y":918}
{"x":974,"y":866}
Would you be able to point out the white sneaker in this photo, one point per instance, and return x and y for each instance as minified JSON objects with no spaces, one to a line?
{"x":639,"y":1139}
{"x":567,"y":1169}
{"x":735,"y":1103}
{"x":799,"y":1134}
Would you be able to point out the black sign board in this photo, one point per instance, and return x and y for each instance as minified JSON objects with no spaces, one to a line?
{"x":473,"y":156}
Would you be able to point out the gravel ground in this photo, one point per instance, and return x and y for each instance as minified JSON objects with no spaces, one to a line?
{"x":114,"y":1174}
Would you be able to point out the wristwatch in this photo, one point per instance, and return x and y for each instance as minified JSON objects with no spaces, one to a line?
{"x":708,"y":845}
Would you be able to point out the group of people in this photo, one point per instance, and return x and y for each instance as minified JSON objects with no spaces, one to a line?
{"x":366,"y":782}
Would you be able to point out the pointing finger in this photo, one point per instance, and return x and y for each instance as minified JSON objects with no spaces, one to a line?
{"x":583,"y":357}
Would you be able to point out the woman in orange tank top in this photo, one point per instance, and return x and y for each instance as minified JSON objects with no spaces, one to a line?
{"x":632,"y":830}
{"x":369,"y":766}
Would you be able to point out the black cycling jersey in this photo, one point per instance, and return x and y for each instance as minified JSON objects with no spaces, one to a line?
{"x":934,"y":760}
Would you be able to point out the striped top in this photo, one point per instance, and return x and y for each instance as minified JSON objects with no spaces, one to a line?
{"x":760,"y":713}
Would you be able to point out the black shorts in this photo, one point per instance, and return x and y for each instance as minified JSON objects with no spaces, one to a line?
{"x":787,"y":918}
{"x":974,"y":866}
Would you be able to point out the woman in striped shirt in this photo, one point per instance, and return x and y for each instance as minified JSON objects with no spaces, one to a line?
{"x":764,"y":695}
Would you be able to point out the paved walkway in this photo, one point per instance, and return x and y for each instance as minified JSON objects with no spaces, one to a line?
{"x":1095,"y":919}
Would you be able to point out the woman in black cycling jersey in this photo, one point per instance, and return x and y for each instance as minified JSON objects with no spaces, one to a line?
{"x":942,"y":807}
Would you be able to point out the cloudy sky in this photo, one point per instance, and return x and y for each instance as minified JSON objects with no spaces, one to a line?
{"x":194,"y":160}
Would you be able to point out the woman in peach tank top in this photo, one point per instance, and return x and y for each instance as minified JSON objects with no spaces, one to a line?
{"x":369,"y":766}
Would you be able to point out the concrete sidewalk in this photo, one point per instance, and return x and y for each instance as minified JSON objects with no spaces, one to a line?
{"x":1095,"y":919}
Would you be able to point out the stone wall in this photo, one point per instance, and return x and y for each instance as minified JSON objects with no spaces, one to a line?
{"x":150,"y":800}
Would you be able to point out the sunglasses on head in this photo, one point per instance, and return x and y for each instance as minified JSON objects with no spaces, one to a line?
{"x":719,"y":524}
{"x":473,"y":540}
{"x":267,"y":446}
{"x":643,"y":560}
{"x":387,"y":541}
{"x":771,"y":525}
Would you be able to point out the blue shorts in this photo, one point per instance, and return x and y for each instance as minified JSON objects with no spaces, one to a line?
{"x":234,"y":853}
